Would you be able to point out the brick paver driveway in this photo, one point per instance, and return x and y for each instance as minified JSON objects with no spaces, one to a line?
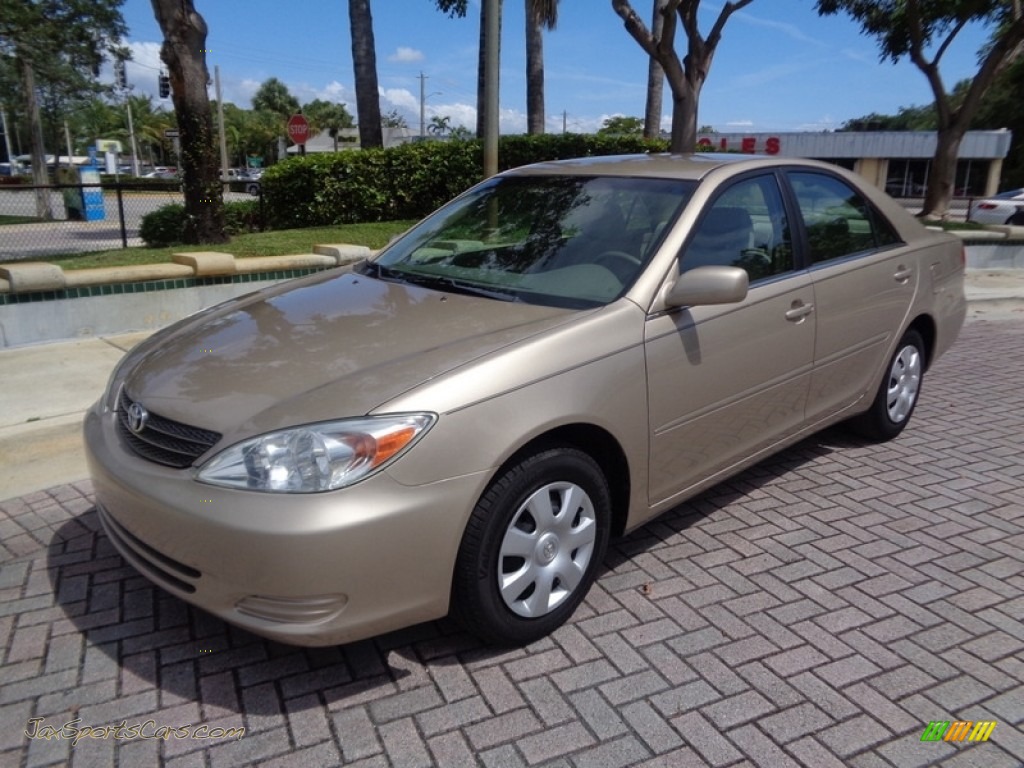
{"x":820,"y":609}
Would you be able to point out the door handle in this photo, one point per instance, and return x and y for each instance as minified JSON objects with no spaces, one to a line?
{"x":902,"y":274}
{"x":799,"y":311}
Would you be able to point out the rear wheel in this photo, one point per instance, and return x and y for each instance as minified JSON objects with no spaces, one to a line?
{"x":897,"y":394}
{"x":532,"y":547}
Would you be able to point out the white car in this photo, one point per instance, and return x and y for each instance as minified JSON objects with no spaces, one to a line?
{"x":1004,"y":208}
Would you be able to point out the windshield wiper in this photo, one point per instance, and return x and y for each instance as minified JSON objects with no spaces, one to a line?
{"x":375,"y":269}
{"x":440,"y":282}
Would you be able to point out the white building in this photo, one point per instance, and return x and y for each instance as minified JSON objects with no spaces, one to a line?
{"x":897,"y":161}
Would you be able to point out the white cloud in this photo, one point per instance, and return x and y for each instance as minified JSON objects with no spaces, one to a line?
{"x":405,"y":54}
{"x":242,"y":92}
{"x":400,"y":98}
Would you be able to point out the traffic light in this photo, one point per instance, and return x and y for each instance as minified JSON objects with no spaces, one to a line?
{"x":165,"y":86}
{"x":119,"y":75}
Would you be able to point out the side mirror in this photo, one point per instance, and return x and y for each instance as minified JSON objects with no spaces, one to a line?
{"x":708,"y":285}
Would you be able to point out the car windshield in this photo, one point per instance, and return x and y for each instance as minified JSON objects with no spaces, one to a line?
{"x":573,"y":241}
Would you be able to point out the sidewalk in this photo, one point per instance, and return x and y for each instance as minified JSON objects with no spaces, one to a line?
{"x":46,"y":389}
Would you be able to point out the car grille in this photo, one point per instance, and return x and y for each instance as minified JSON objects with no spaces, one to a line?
{"x":163,"y":441}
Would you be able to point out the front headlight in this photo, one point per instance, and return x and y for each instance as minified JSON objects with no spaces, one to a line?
{"x":316,"y":457}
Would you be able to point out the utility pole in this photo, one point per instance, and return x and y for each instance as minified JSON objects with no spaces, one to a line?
{"x":131,"y":132}
{"x":220,"y":122}
{"x":121,"y":81}
{"x":423,"y":106}
{"x":7,"y":140}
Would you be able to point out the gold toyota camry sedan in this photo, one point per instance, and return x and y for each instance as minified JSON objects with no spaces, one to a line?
{"x":459,"y":424}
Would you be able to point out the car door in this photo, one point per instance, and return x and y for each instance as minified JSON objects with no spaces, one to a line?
{"x":864,"y":284}
{"x":726,"y":381}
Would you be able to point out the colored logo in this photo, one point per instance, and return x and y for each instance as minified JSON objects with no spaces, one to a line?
{"x":960,"y":730}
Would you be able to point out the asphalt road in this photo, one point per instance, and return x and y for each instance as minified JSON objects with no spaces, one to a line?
{"x":821,"y":609}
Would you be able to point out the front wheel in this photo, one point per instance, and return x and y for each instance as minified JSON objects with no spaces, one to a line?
{"x":897,"y":394}
{"x":532,"y":547}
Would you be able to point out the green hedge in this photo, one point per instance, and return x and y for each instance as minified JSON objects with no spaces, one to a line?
{"x":165,"y":225}
{"x":410,"y":181}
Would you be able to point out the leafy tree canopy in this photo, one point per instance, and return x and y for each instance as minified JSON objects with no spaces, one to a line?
{"x":274,"y":96}
{"x":326,"y":115}
{"x":454,"y":8}
{"x":899,"y":25}
{"x":393,"y":120}
{"x":620,"y":125}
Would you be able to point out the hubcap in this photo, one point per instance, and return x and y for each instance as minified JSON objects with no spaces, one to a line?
{"x":546,"y":549}
{"x":904,"y":383}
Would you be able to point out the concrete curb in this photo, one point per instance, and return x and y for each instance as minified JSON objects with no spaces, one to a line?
{"x":40,"y":276}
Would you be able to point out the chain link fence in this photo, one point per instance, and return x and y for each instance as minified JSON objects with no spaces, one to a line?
{"x":85,"y":217}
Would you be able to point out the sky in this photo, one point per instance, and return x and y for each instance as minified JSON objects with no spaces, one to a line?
{"x":779,"y":67}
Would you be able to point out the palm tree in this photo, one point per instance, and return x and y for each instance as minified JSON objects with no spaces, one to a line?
{"x":364,"y":65}
{"x":539,"y":14}
{"x":274,"y":96}
{"x":327,"y":116}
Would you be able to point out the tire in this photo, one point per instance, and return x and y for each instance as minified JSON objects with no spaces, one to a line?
{"x":1017,"y":219}
{"x":898,"y":393}
{"x":527,"y":560}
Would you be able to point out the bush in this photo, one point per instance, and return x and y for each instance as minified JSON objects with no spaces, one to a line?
{"x":242,"y":217}
{"x":410,"y":181}
{"x":164,"y":226}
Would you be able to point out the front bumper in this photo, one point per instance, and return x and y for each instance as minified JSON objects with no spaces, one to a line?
{"x":307,"y":569}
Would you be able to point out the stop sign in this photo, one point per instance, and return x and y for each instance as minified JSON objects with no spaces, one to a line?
{"x":298,"y":129}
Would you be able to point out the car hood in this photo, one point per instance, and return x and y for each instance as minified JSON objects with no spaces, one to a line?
{"x":323,"y":349}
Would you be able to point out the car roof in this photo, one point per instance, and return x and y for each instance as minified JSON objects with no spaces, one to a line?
{"x":695,"y":166}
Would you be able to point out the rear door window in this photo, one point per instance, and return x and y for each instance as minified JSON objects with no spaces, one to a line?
{"x":838,"y":220}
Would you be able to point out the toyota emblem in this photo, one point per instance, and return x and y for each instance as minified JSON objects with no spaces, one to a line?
{"x":137,"y":418}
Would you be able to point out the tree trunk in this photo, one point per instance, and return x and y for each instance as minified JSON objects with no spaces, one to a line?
{"x":38,"y":148}
{"x":655,"y":79}
{"x":534,"y":74}
{"x":942,"y":177}
{"x":364,"y":64}
{"x":183,"y":52}
{"x":684,"y":117}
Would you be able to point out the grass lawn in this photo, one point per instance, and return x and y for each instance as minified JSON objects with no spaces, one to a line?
{"x":17,"y":220}
{"x":280,"y":243}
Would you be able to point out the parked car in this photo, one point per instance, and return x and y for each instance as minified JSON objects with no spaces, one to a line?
{"x":1004,"y":208}
{"x":252,"y":181}
{"x":460,"y":423}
